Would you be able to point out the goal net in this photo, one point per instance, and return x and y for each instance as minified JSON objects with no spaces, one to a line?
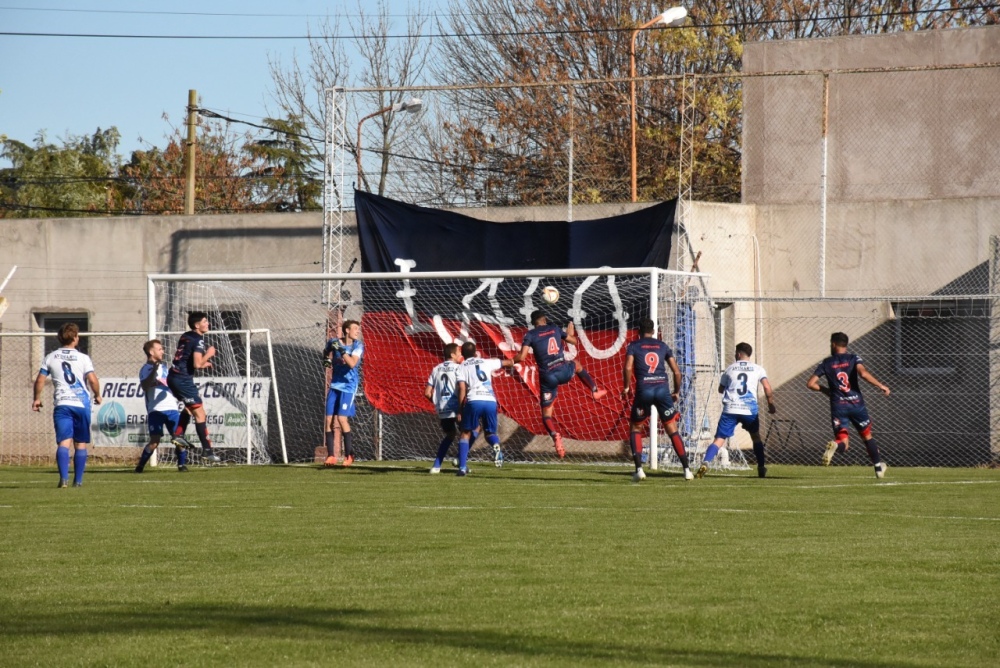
{"x":406,"y":320}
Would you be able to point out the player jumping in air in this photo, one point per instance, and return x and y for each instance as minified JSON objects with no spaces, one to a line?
{"x":738,"y":387}
{"x":69,"y":369}
{"x":546,"y":342}
{"x":344,"y":356}
{"x":847,"y":406}
{"x":477,"y":402}
{"x":161,"y":406}
{"x":192,"y":354}
{"x":442,"y":391}
{"x":648,"y":359}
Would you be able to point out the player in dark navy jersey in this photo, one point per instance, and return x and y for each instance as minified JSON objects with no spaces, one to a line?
{"x":842,"y":370}
{"x":192,"y":354}
{"x":649,"y":360}
{"x":546,"y":342}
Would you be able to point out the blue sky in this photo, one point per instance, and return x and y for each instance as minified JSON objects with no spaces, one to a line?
{"x":73,"y":85}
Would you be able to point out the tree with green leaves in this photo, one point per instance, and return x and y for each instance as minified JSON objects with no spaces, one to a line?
{"x":288,"y":179}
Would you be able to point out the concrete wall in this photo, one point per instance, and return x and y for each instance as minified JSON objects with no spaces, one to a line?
{"x":898,"y":135}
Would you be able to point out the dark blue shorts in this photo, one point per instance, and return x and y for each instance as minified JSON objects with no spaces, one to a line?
{"x":480,"y":412}
{"x":728,"y":422}
{"x":72,"y":422}
{"x":340,"y":402}
{"x":855,"y":414}
{"x":157,"y":420}
{"x":646,"y":397}
{"x":184,"y":389}
{"x":550,"y":380}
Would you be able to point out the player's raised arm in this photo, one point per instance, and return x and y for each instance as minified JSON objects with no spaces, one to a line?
{"x":872,"y":380}
{"x":525,"y":348}
{"x":570,"y":333}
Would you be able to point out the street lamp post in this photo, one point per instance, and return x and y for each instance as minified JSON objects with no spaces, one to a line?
{"x":412,"y":105}
{"x":675,"y":16}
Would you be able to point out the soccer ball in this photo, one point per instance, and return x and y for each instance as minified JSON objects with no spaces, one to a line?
{"x":550,"y":294}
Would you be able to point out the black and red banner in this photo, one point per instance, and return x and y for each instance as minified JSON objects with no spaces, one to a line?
{"x":407,"y":322}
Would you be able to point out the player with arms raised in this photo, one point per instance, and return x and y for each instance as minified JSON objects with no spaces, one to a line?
{"x":192,"y":355}
{"x":161,"y":406}
{"x":648,"y":359}
{"x":477,"y":402}
{"x":546,"y":342}
{"x":69,"y":369}
{"x":344,"y":356}
{"x":738,"y":387}
{"x":442,"y":392}
{"x":842,"y":370}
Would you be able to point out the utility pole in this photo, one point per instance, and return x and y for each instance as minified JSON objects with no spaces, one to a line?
{"x":189,"y":152}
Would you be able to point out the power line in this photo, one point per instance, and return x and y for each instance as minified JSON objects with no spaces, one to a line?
{"x":528,"y":33}
{"x":220,"y":14}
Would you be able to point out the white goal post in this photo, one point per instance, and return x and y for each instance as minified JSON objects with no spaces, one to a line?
{"x":408,"y":316}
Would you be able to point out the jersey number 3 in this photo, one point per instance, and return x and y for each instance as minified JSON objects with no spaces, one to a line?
{"x":844,"y":382}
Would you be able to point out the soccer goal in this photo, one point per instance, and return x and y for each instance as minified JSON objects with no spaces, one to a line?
{"x":408,"y":317}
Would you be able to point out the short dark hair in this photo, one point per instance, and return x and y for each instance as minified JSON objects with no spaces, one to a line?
{"x":347,"y":325}
{"x":469,"y":349}
{"x":194,"y":317}
{"x":646,"y":326}
{"x":148,"y":345}
{"x":537,"y":315}
{"x":67,"y":333}
{"x":839,"y":339}
{"x":744,"y":348}
{"x":449,"y":350}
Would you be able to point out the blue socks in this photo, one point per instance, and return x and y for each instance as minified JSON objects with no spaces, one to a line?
{"x":710,"y":453}
{"x":182,"y":457}
{"x":442,"y":451}
{"x":144,"y":459}
{"x":463,"y":455}
{"x":79,"y":463}
{"x":62,"y":461}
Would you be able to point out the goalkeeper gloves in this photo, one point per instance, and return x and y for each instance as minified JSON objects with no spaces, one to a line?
{"x":327,"y":362}
{"x":336,"y":346}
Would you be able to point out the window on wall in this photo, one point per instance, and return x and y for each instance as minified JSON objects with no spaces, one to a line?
{"x":51,"y":322}
{"x":934,"y":337}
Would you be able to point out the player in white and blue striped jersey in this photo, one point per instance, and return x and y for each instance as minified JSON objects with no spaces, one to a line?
{"x":71,"y":372}
{"x":442,"y":391}
{"x":738,"y":387}
{"x":162,"y":407}
{"x":477,"y":402}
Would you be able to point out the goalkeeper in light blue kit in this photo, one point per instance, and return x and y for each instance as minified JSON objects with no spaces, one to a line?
{"x":738,"y":387}
{"x":71,"y":372}
{"x":442,"y":391}
{"x":344,"y":357}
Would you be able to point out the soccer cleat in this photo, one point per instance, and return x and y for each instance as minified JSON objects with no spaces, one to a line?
{"x":831,"y":450}
{"x":209,"y":456}
{"x":435,"y":469}
{"x":761,"y":471}
{"x":330,"y":461}
{"x":462,"y":472}
{"x":560,"y":450}
{"x":77,"y":484}
{"x":138,"y":469}
{"x":63,"y":482}
{"x":639,"y":475}
{"x":182,"y":469}
{"x":688,"y":475}
{"x":181,"y":442}
{"x":599,"y":394}
{"x":497,"y":456}
{"x":702,"y":470}
{"x":348,"y":460}
{"x":880,"y":469}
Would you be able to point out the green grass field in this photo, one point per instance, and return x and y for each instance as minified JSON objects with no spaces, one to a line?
{"x":528,"y":565}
